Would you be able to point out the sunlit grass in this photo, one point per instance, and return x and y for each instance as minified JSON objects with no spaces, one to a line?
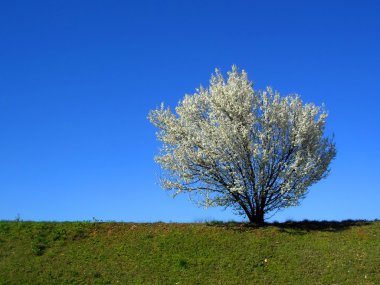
{"x":202,"y":253}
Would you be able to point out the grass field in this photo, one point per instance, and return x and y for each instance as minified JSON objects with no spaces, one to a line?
{"x":205,"y":253}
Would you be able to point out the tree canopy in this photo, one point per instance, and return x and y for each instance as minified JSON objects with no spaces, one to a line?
{"x":232,"y":146}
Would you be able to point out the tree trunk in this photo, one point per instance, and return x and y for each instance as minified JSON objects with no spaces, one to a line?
{"x":255,"y":217}
{"x":258,"y":219}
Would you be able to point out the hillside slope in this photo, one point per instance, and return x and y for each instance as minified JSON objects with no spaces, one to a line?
{"x":215,"y":253}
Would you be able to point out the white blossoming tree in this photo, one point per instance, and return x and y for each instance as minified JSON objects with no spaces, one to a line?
{"x":232,"y":146}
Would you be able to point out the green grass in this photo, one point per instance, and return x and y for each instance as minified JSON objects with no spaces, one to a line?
{"x":208,"y":253}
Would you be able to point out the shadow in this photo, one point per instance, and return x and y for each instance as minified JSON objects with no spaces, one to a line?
{"x":294,"y":227}
{"x":305,"y":226}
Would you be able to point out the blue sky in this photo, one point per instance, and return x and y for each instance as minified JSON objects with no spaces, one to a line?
{"x":77,"y":79}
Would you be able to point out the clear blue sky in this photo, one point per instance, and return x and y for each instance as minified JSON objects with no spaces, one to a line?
{"x":77,"y":79}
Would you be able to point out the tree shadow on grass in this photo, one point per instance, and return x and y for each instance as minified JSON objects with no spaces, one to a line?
{"x":294,"y":227}
{"x":302,"y":227}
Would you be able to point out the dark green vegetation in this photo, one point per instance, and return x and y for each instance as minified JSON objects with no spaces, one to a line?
{"x":212,"y":253}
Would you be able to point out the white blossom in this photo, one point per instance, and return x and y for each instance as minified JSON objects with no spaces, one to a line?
{"x":230,"y":145}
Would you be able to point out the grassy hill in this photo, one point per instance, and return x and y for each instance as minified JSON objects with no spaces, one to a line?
{"x":212,"y":253}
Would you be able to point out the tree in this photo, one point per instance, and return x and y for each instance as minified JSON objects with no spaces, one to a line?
{"x":232,"y":146}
